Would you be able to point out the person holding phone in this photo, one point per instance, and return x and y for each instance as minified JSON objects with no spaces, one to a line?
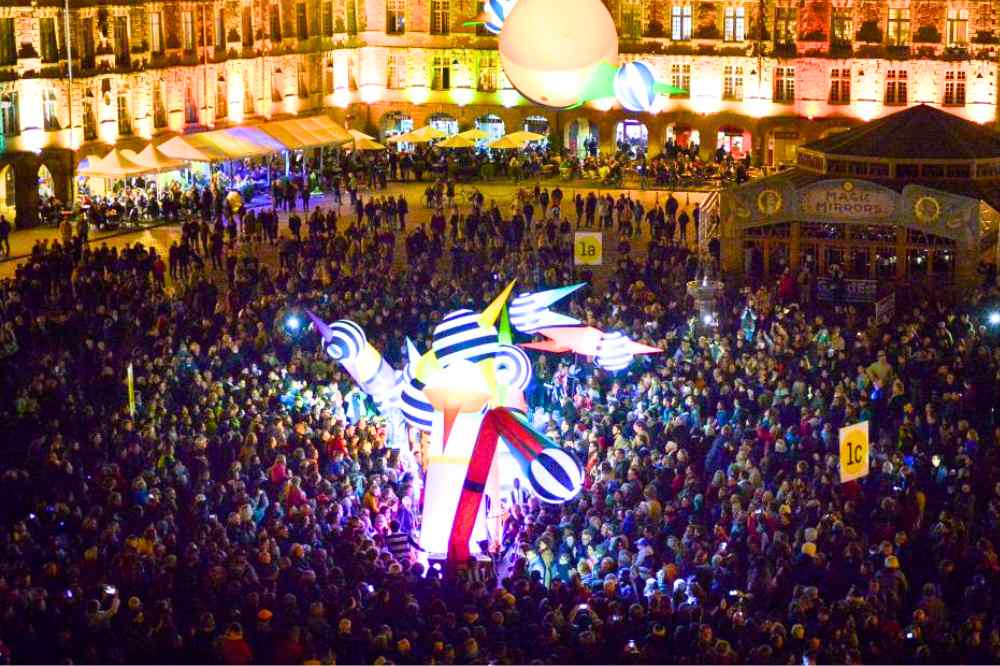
{"x":99,"y":618}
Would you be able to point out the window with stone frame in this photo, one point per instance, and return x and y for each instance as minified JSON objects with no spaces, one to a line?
{"x":248,"y":36}
{"x":220,"y":29}
{"x":735,"y":24}
{"x":440,"y":17}
{"x":327,"y":27}
{"x":274,"y":18}
{"x":784,"y":85}
{"x":899,"y":26}
{"x":221,"y":97}
{"x":187,"y":31}
{"x":958,"y":27}
{"x":277,"y":85}
{"x":87,"y":46}
{"x":328,"y":77}
{"x":732,"y":83}
{"x":190,"y":106}
{"x":156,"y":32}
{"x":8,"y":45}
{"x":89,"y":120}
{"x":954,"y":88}
{"x":489,"y":71}
{"x":396,"y":71}
{"x":9,"y":115}
{"x":124,"y":115}
{"x":896,"y":87}
{"x":301,"y":22}
{"x":630,"y":19}
{"x":840,"y":85}
{"x":680,"y":22}
{"x":50,"y":111}
{"x":138,"y":26}
{"x":784,"y":26}
{"x":841,"y":25}
{"x":680,"y":77}
{"x":395,"y":17}
{"x":248,"y":105}
{"x":47,"y":34}
{"x":441,"y":79}
{"x":303,"y":80}
{"x":159,"y":107}
{"x":122,"y":41}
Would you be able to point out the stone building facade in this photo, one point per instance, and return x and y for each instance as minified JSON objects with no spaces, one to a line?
{"x":762,"y":75}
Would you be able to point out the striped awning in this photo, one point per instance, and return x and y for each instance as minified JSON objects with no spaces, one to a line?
{"x":311,"y":132}
{"x":276,"y":136}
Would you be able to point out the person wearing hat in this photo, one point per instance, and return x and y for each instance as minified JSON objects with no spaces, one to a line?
{"x":234,"y":649}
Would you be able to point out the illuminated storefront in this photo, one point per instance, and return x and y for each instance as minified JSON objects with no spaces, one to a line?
{"x":898,"y":201}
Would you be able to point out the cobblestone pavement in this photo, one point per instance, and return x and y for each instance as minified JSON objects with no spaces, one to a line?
{"x":161,"y":237}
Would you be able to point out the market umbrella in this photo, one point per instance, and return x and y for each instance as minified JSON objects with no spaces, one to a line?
{"x":154,"y":159}
{"x":457,"y":141}
{"x":474,"y":134}
{"x":413,"y":137}
{"x":114,"y":165}
{"x":507,"y":142}
{"x":525,"y":137}
{"x":427,"y":133}
{"x":180,"y":149}
{"x":399,"y":138}
{"x":357,"y":134}
{"x":361,"y":143}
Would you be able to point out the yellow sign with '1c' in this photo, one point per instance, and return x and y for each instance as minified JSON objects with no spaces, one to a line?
{"x":588,"y":248}
{"x":854,"y":452}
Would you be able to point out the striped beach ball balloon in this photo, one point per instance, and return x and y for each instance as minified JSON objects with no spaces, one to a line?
{"x":555,"y":476}
{"x":635,"y":86}
{"x":413,"y":404}
{"x":513,"y":367}
{"x":612,"y":351}
{"x":496,"y":12}
{"x":460,"y":337}
{"x":348,"y":341}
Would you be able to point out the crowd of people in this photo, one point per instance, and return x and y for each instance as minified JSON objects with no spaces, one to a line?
{"x":142,"y":200}
{"x":248,"y":508}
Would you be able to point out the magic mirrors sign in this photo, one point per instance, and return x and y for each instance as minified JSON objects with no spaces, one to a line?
{"x":848,"y":200}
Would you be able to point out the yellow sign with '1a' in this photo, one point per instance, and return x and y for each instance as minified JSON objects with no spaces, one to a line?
{"x":854,"y":452}
{"x":588,"y":248}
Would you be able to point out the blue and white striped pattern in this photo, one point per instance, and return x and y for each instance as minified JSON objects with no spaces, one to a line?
{"x":634,"y":86}
{"x":530,"y":312}
{"x":460,"y":337}
{"x":613,"y":351}
{"x":513,"y":367}
{"x":496,"y":12}
{"x":413,"y":404}
{"x":555,"y":476}
{"x":385,"y":386}
{"x":347,"y":342}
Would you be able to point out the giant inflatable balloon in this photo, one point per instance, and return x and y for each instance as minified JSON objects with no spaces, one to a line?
{"x":564,"y":53}
{"x":551,"y":49}
{"x":467,"y":392}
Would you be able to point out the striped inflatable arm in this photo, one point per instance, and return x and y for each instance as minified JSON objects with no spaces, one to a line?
{"x":536,"y":455}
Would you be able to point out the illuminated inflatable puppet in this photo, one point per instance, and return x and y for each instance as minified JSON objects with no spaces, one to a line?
{"x":467,"y":392}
